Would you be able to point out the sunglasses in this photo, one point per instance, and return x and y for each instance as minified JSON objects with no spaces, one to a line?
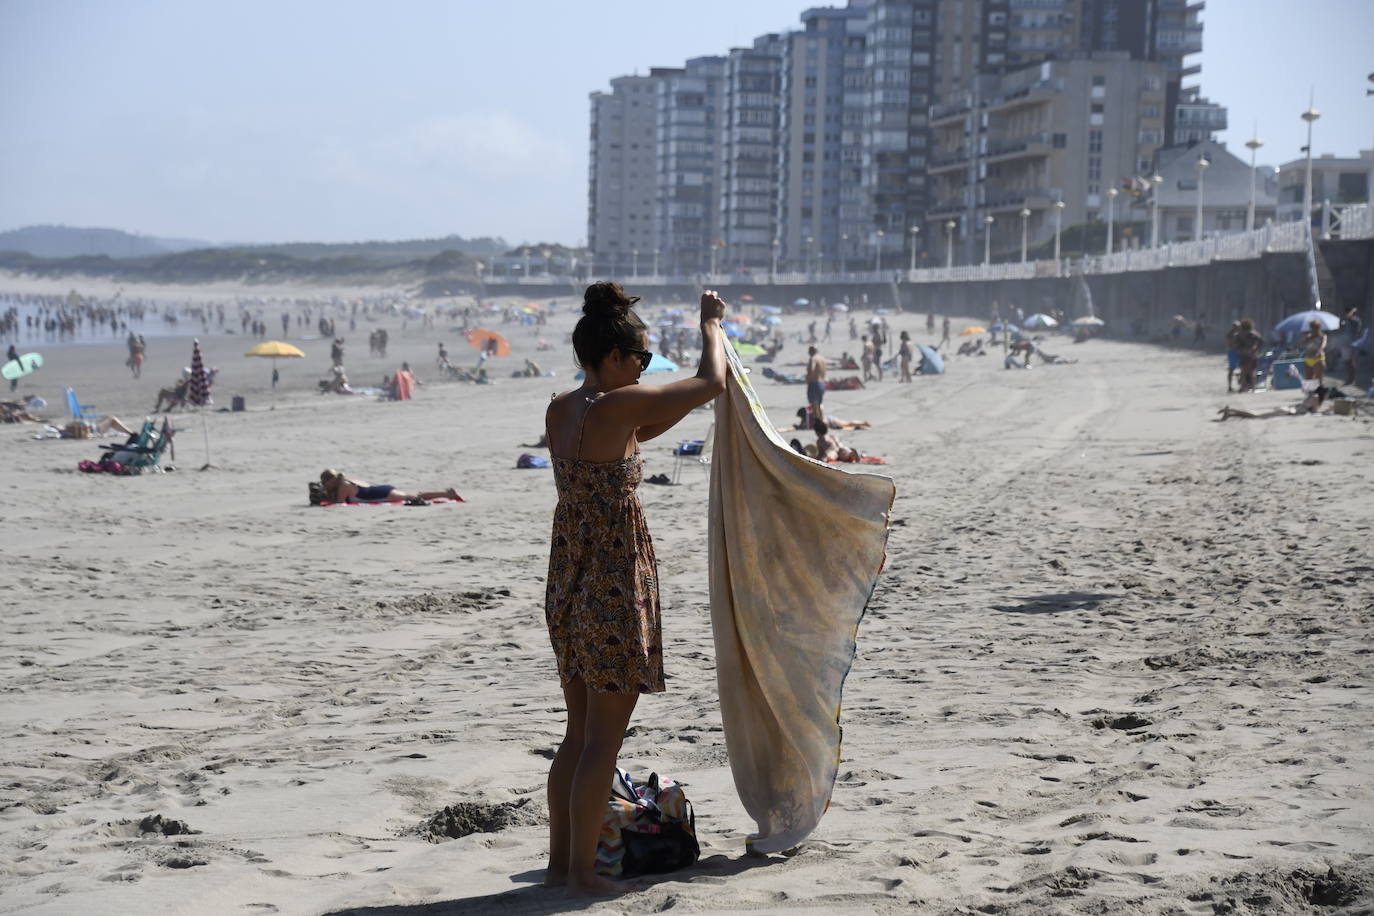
{"x":645,"y":357}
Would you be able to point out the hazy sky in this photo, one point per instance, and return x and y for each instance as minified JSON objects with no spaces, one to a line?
{"x":340,"y":120}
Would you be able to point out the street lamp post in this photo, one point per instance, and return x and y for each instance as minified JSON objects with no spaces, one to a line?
{"x":915,"y":231}
{"x":1025,"y":218}
{"x":878,"y":251}
{"x":987,"y":239}
{"x":547,"y":254}
{"x":1310,"y":115}
{"x":1058,"y":229}
{"x":773,"y":270}
{"x":1252,"y":144}
{"x":844,"y":252}
{"x":810,"y":263}
{"x":1155,"y":181}
{"x":527,"y":263}
{"x":1202,"y":164}
{"x":949,"y":242}
{"x":634,"y":262}
{"x":1111,"y":216}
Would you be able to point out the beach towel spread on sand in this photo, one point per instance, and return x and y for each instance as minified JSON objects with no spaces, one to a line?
{"x":795,"y":551}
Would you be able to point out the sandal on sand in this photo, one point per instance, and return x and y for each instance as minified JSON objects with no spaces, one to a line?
{"x":658,"y":478}
{"x":417,"y":501}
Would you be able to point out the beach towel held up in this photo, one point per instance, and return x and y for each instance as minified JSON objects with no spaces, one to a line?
{"x":796,"y":547}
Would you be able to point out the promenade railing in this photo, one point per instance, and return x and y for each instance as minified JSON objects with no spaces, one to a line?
{"x":1356,"y":221}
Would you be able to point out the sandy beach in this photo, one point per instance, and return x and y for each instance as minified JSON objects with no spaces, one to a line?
{"x":1119,"y":660}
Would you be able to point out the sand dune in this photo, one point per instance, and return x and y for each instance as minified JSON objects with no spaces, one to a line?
{"x":1118,"y":662}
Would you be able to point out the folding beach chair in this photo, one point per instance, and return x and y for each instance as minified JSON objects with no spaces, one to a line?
{"x":81,"y":413}
{"x":143,"y":450}
{"x":693,"y":450}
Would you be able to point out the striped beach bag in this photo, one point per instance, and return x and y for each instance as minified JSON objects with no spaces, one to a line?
{"x":649,"y":828}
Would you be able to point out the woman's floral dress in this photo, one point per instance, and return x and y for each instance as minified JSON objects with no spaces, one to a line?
{"x":602,"y":600}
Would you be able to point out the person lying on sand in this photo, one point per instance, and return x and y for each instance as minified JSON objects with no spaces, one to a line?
{"x":806,"y":420}
{"x":830,"y":448}
{"x":341,"y":489}
{"x":1310,"y":404}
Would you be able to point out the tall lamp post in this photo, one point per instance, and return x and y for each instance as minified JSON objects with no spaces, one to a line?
{"x":1058,"y":229}
{"x":878,"y":251}
{"x":915,"y":231}
{"x":1025,"y":219}
{"x":1155,"y":181}
{"x":634,"y":262}
{"x":1202,"y":164}
{"x":1310,"y":115}
{"x":1252,"y":144}
{"x":810,"y":261}
{"x":844,"y":252}
{"x":547,"y":254}
{"x":949,"y":242}
{"x":773,"y":271}
{"x":1111,"y":216}
{"x":987,"y":239}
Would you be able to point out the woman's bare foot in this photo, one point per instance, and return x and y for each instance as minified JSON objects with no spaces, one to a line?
{"x":453,"y":495}
{"x":555,"y":878}
{"x":595,"y":886}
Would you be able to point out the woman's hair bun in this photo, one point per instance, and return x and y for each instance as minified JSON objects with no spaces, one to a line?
{"x":607,"y":300}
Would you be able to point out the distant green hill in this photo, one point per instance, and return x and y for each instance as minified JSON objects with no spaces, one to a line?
{"x":73,"y":241}
{"x":250,"y":265}
{"x":76,"y":242}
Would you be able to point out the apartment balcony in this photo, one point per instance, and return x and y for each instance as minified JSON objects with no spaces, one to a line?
{"x":948,"y":113}
{"x":1032,"y":146}
{"x":947,"y":162}
{"x":1037,"y":94}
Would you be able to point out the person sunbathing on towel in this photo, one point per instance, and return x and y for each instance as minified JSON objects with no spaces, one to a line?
{"x":806,"y":420}
{"x":830,"y":448}
{"x":341,"y":489}
{"x":1310,"y":404}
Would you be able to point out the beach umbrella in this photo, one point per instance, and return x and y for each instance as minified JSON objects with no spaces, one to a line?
{"x":998,"y":326}
{"x":772,"y":319}
{"x":1041,"y":320}
{"x":687,"y":324}
{"x":732,"y":330}
{"x":770,"y":310}
{"x":839,"y":307}
{"x":932,"y":363}
{"x":1088,"y":321}
{"x":740,"y":319}
{"x":479,"y":339}
{"x":275,"y":350}
{"x":661,"y":363}
{"x":746,"y":298}
{"x":748,"y":349}
{"x":801,"y":301}
{"x":198,"y":391}
{"x":969,"y":332}
{"x":1295,"y":326}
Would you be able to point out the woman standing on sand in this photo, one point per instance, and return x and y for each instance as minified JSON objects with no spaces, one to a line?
{"x":601,"y":603}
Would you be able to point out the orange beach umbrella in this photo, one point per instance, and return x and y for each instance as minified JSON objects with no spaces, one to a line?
{"x":484,"y":340}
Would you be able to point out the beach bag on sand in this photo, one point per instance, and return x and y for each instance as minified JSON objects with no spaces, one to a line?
{"x":316,"y":493}
{"x":649,"y":828}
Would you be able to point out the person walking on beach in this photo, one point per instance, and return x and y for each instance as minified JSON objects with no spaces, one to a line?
{"x":866,"y":359}
{"x":815,"y":378}
{"x":1232,"y":354}
{"x":944,"y":332}
{"x":13,"y":357}
{"x":1314,"y":350}
{"x":601,"y":602}
{"x":904,"y":356}
{"x":1248,"y":343}
{"x":1344,"y":339}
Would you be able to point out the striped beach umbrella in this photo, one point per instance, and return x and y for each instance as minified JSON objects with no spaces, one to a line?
{"x":198,"y":392}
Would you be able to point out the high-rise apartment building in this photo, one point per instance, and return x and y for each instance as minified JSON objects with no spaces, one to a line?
{"x":899,"y":57}
{"x":688,"y":165}
{"x":621,"y":175}
{"x":1064,"y":130}
{"x":820,"y":216}
{"x":853,"y":141}
{"x":751,"y":112}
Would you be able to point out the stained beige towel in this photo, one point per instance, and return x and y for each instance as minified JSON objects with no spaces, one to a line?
{"x":796,"y":548}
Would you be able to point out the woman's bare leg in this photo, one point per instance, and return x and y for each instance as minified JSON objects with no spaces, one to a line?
{"x":450,"y":493}
{"x":560,"y":782}
{"x":604,"y":729}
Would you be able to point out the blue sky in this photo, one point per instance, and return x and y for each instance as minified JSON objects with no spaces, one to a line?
{"x":307,"y":120}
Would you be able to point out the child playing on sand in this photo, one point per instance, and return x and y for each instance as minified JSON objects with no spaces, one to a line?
{"x":601,"y":603}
